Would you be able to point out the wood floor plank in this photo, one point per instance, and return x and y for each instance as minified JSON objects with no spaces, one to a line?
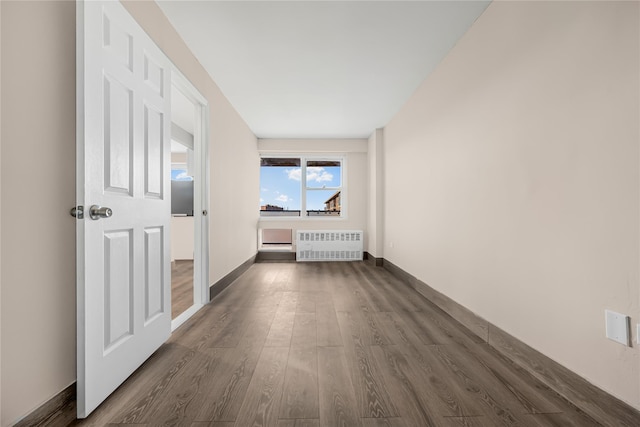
{"x":304,"y":330}
{"x":448,"y":398}
{"x":330,"y":344}
{"x":236,"y":294}
{"x":465,"y":422}
{"x":267,"y":300}
{"x":395,"y":326}
{"x":262,"y":400}
{"x":342,"y":297}
{"x":371,"y":391}
{"x":225,"y":329}
{"x":293,"y":284}
{"x":182,"y":383}
{"x":194,"y":325}
{"x":535,"y":400}
{"x":281,"y":329}
{"x":182,"y":408}
{"x":300,"y":394}
{"x":312,"y":277}
{"x":154,"y":374}
{"x":306,"y":302}
{"x":369,"y":330}
{"x":228,"y":333}
{"x":224,"y":391}
{"x":338,"y":405}
{"x":211,"y":424}
{"x":384,"y":422}
{"x":561,"y":420}
{"x":289,"y":301}
{"x":413,"y":398}
{"x":126,"y":425}
{"x":496,"y":375}
{"x":368,"y":292}
{"x":281,"y":281}
{"x":299,"y":423}
{"x":499,"y":405}
{"x":396,"y":295}
{"x":448,"y":392}
{"x":427,"y":331}
{"x":327,"y":328}
{"x":198,"y":337}
{"x":181,"y":286}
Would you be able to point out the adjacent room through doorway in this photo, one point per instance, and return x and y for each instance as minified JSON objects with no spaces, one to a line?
{"x":182,"y":202}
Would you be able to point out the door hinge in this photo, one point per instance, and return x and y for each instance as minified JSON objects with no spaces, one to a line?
{"x":77,"y":212}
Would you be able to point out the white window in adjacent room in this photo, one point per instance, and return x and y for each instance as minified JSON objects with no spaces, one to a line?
{"x":301,"y":186}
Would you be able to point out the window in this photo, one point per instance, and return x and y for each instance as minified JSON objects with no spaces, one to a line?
{"x":298,"y":186}
{"x":179,"y":173}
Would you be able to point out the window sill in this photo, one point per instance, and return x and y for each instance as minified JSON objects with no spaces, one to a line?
{"x":276,"y":248}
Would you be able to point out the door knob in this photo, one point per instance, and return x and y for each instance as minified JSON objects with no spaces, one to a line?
{"x":97,"y":212}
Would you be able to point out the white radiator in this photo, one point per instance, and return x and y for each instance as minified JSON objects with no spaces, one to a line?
{"x":329,"y":245}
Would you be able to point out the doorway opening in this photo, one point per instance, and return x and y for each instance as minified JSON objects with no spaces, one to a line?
{"x":189,"y":200}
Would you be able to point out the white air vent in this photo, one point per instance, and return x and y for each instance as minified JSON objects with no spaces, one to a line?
{"x":329,"y":245}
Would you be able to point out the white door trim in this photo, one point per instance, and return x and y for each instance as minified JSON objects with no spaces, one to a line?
{"x":201,"y":193}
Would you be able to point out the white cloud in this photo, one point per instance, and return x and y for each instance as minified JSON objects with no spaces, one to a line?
{"x":261,"y":200}
{"x":318,"y":174}
{"x":265,"y":190}
{"x":294,"y":174}
{"x":183,"y":177}
{"x":314,"y":173}
{"x":283,"y":198}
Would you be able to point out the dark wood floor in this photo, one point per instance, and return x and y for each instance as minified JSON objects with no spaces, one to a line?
{"x":181,"y":286}
{"x":329,"y":344}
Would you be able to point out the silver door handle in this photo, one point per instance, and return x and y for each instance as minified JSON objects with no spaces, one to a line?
{"x":96,"y":212}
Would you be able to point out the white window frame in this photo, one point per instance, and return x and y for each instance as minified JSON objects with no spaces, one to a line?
{"x":304,"y":158}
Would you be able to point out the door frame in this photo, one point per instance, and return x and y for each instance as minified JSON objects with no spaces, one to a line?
{"x":201,"y":195}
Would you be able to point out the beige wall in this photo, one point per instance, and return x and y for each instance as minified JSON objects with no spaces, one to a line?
{"x":512,"y":180}
{"x":0,"y":216}
{"x":375,"y":235}
{"x":355,"y":152}
{"x":182,"y":237}
{"x":178,"y":157}
{"x":38,"y":189}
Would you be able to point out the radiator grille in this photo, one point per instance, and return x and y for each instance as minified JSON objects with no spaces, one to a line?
{"x":325,"y":245}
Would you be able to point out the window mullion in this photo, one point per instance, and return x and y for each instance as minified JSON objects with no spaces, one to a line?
{"x":303,"y":187}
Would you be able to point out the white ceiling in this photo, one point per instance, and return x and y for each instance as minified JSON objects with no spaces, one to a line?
{"x":183,"y":111}
{"x":320,"y":69}
{"x":182,"y":114}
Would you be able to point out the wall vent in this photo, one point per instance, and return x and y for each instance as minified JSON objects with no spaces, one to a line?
{"x":329,"y":245}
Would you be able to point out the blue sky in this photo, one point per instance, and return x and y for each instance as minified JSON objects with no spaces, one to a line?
{"x":281,"y":186}
{"x":180,"y":175}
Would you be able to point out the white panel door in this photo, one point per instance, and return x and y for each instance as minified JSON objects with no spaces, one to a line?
{"x":123,"y":162}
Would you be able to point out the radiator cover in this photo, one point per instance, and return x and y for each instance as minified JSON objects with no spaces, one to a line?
{"x":329,"y":245}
